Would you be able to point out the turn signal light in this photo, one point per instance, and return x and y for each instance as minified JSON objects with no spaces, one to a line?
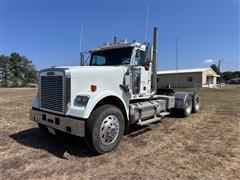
{"x":93,"y":88}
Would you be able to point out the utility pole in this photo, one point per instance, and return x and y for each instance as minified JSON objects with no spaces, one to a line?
{"x":219,"y":69}
{"x":176,"y":83}
{"x":219,"y":65}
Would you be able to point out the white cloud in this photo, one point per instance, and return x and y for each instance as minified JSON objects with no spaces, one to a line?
{"x":208,"y":61}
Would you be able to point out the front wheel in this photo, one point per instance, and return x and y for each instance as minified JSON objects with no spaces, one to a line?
{"x":105,"y":128}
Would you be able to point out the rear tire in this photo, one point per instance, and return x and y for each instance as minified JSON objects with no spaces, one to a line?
{"x":196,"y":103}
{"x":105,"y":128}
{"x":187,"y":109}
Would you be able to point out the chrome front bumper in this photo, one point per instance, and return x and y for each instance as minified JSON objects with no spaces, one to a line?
{"x":66,"y":124}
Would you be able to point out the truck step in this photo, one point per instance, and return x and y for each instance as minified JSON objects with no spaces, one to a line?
{"x":141,"y":123}
{"x":163,"y":114}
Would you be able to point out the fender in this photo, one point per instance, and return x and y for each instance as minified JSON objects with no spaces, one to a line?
{"x":180,"y":98}
{"x":94,"y":98}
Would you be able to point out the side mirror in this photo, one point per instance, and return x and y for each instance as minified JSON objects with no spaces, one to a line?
{"x":148,"y":54}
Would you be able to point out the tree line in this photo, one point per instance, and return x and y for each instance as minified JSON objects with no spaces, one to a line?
{"x":227,"y":75}
{"x":16,"y":71}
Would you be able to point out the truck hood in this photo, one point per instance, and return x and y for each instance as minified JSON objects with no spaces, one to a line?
{"x":104,"y":77}
{"x":95,"y":69}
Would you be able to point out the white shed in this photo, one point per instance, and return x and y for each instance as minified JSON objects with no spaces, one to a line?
{"x":187,"y":78}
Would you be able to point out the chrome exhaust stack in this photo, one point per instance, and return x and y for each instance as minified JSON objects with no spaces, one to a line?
{"x":154,"y":62}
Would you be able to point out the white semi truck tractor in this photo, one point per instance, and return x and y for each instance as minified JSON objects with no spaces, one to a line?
{"x":101,"y":100}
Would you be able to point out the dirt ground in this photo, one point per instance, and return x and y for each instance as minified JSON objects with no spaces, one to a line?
{"x":204,"y":146}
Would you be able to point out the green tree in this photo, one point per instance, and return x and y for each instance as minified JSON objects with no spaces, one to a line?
{"x":4,"y":68}
{"x":215,"y":68}
{"x":17,"y":70}
{"x":227,"y":75}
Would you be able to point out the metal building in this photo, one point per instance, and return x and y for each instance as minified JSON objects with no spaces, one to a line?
{"x":187,"y":78}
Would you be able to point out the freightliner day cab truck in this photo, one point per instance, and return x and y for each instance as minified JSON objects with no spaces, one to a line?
{"x":99,"y":101}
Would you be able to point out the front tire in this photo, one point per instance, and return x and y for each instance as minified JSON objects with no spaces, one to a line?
{"x":105,"y":128}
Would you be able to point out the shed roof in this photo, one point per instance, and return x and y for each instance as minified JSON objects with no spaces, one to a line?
{"x":185,"y":71}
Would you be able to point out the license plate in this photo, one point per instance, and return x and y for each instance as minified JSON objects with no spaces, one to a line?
{"x":51,"y":130}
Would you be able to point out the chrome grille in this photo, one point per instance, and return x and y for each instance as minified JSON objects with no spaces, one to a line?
{"x":52,"y":97}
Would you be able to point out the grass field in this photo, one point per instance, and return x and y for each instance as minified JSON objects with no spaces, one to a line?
{"x":204,"y":146}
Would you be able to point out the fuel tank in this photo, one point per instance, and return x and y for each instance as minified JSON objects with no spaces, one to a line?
{"x":146,"y":110}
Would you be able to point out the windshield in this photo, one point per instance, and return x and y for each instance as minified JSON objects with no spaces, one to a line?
{"x":119,"y":56}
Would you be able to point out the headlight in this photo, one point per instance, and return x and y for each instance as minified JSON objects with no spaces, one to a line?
{"x":81,"y":100}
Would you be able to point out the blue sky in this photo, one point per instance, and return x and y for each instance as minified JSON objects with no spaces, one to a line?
{"x":48,"y":32}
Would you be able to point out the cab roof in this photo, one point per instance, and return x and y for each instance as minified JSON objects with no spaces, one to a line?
{"x":120,"y":44}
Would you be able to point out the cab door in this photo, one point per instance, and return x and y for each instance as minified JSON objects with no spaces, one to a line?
{"x":145,"y":79}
